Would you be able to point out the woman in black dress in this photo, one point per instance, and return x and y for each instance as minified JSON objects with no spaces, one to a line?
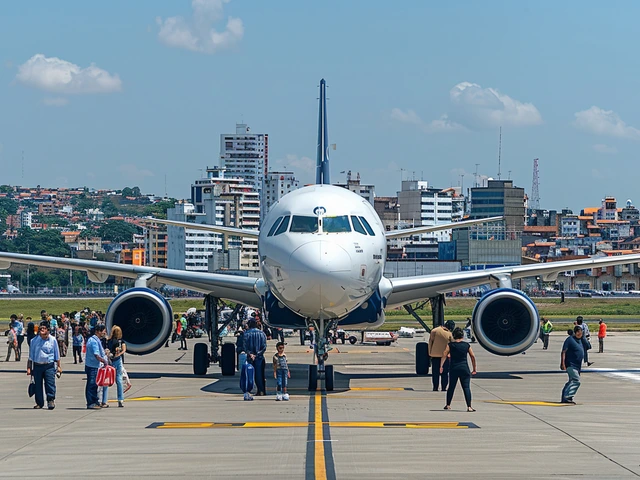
{"x":459,"y":368}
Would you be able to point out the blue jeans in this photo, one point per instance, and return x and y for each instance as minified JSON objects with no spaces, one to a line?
{"x":571,"y":387}
{"x":91,"y":389}
{"x":45,"y":374}
{"x":281,"y":379}
{"x":258,"y":365}
{"x":117,"y":364}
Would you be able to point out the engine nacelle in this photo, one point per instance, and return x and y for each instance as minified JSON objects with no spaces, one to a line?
{"x":506,"y":321}
{"x":145,"y":318}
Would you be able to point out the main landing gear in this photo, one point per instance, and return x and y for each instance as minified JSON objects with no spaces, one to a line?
{"x":222,"y":353}
{"x":321,"y":371}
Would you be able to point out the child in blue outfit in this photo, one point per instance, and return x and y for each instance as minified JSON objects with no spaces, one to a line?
{"x":281,"y":372}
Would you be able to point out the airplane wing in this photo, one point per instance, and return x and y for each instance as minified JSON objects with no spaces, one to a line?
{"x":407,"y":232}
{"x":240,"y":232}
{"x":406,"y":290}
{"x":235,"y":288}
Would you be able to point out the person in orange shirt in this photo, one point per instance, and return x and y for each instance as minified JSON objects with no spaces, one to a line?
{"x":602,"y":333}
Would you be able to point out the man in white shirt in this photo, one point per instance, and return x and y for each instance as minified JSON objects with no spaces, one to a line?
{"x":43,"y":357}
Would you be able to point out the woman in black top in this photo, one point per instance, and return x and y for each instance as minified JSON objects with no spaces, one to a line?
{"x":31,"y":332}
{"x":459,"y":368}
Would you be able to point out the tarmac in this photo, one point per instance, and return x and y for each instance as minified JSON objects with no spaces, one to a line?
{"x":382,"y":421}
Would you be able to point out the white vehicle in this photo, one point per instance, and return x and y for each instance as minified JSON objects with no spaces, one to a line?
{"x":380,"y":338}
{"x":406,"y":332}
{"x":322,"y":255}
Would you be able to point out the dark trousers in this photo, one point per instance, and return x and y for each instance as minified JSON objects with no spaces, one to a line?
{"x":436,"y":376}
{"x":183,"y":341}
{"x":545,"y":339}
{"x":14,"y":349}
{"x":91,"y":389}
{"x":259,"y":366}
{"x":77,"y":353}
{"x":600,"y":345}
{"x":585,"y":348}
{"x":45,"y":374}
{"x":465,"y":380}
{"x":20,"y":341}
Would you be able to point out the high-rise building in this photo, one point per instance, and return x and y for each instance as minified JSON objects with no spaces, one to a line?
{"x":276,"y":186}
{"x":155,"y":246}
{"x":424,"y":206}
{"x":499,"y":198}
{"x":368,"y":192}
{"x":246,"y":155}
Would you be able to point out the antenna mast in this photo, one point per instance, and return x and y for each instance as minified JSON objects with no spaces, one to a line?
{"x":535,"y":187}
{"x":476,"y":176}
{"x":499,"y":152}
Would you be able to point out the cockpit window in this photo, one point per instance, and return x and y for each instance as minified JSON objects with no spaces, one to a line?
{"x":357,"y":226}
{"x":339,"y":224}
{"x":275,"y":225}
{"x":283,"y":226}
{"x":303,"y":224}
{"x":367,"y":226}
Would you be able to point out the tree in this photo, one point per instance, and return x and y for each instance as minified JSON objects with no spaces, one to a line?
{"x":85,"y":203}
{"x":131,"y":192}
{"x":6,"y":189}
{"x":108,"y":208}
{"x":117,"y":231}
{"x":159,"y":209}
{"x":7,"y":207}
{"x":38,"y":242}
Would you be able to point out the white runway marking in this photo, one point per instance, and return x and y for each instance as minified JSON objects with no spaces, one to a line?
{"x":631,"y":374}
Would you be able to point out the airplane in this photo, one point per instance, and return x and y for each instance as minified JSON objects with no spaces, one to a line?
{"x":322,"y":255}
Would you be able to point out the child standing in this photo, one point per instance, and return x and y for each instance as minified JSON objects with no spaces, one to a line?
{"x":281,"y":372}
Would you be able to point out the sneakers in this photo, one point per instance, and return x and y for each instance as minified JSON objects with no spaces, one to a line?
{"x":37,"y":407}
{"x":590,"y":363}
{"x":285,"y":397}
{"x":278,"y":398}
{"x":248,"y":397}
{"x":121,"y":404}
{"x":51,"y":405}
{"x":95,"y":406}
{"x":104,"y":405}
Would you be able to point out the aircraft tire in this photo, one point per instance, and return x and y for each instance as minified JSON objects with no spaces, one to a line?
{"x":328,"y":378}
{"x":353,"y":340}
{"x":200,"y":359}
{"x":302,"y":337}
{"x":228,"y":359}
{"x":313,"y":378}
{"x":422,"y":358}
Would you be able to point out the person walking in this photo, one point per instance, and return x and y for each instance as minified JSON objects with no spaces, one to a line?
{"x":19,"y":326}
{"x":43,"y":357}
{"x":439,"y":338}
{"x":255,"y":344}
{"x":584,"y":339}
{"x":602,"y":333}
{"x":547,"y":327}
{"x":459,"y":369}
{"x":571,"y":362}
{"x":12,"y":344}
{"x":31,"y":331}
{"x":77,"y":341}
{"x":117,"y":349}
{"x":183,"y":333}
{"x":95,"y":356}
{"x":281,"y":372}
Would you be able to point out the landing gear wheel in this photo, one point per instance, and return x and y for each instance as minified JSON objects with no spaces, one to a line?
{"x":422,"y":358}
{"x":353,"y":339}
{"x":313,"y":378}
{"x":200,"y":359}
{"x":228,"y":359}
{"x":328,"y":378}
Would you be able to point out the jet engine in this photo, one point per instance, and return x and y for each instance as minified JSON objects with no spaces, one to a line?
{"x":145,"y":318}
{"x":506,"y":321}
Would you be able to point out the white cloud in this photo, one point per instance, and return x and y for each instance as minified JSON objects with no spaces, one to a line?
{"x":129,"y":171}
{"x":480,"y":107}
{"x":604,"y":122}
{"x":443,"y":124}
{"x":303,"y":167}
{"x":602,"y":148}
{"x":59,"y":76}
{"x":197,"y":33}
{"x":55,"y":101}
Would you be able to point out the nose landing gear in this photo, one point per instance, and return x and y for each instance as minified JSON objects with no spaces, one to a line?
{"x":321,"y":371}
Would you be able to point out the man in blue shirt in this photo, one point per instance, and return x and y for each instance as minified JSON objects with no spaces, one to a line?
{"x":43,"y":355}
{"x":571,"y":361}
{"x":95,"y":356}
{"x":255,"y":344}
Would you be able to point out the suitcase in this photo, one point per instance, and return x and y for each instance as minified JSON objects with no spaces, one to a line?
{"x":246,"y":378}
{"x":242,"y":359}
{"x":106,"y":376}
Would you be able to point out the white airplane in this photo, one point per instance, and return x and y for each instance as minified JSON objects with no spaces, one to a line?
{"x":322,"y":256}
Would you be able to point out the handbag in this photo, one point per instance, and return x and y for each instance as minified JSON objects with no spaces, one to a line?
{"x":32,"y":386}
{"x":106,"y":376}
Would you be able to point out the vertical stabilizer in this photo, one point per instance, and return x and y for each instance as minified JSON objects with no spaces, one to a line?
{"x":322,"y":164}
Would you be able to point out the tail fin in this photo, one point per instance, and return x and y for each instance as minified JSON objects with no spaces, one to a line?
{"x":323,"y":175}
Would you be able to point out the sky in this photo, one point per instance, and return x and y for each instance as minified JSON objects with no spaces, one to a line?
{"x":120,"y":93}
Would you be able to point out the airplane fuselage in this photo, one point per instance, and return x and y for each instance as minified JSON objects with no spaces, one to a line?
{"x":322,"y":251}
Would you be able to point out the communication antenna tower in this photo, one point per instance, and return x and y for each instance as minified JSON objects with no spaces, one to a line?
{"x":499,"y":152}
{"x":475,"y":177}
{"x":22,"y":164}
{"x":535,"y":187}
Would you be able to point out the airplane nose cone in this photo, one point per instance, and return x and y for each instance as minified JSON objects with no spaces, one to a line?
{"x":321,"y":258}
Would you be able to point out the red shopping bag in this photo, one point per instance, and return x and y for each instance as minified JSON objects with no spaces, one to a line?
{"x":106,"y":376}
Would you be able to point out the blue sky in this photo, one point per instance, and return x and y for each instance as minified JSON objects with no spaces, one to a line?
{"x":413,"y":87}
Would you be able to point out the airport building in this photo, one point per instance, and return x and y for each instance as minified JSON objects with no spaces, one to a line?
{"x":246,"y":155}
{"x":276,"y":186}
{"x":499,"y":198}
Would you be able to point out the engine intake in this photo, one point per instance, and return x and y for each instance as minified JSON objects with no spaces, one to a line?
{"x":506,"y":321}
{"x":145,"y":318}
